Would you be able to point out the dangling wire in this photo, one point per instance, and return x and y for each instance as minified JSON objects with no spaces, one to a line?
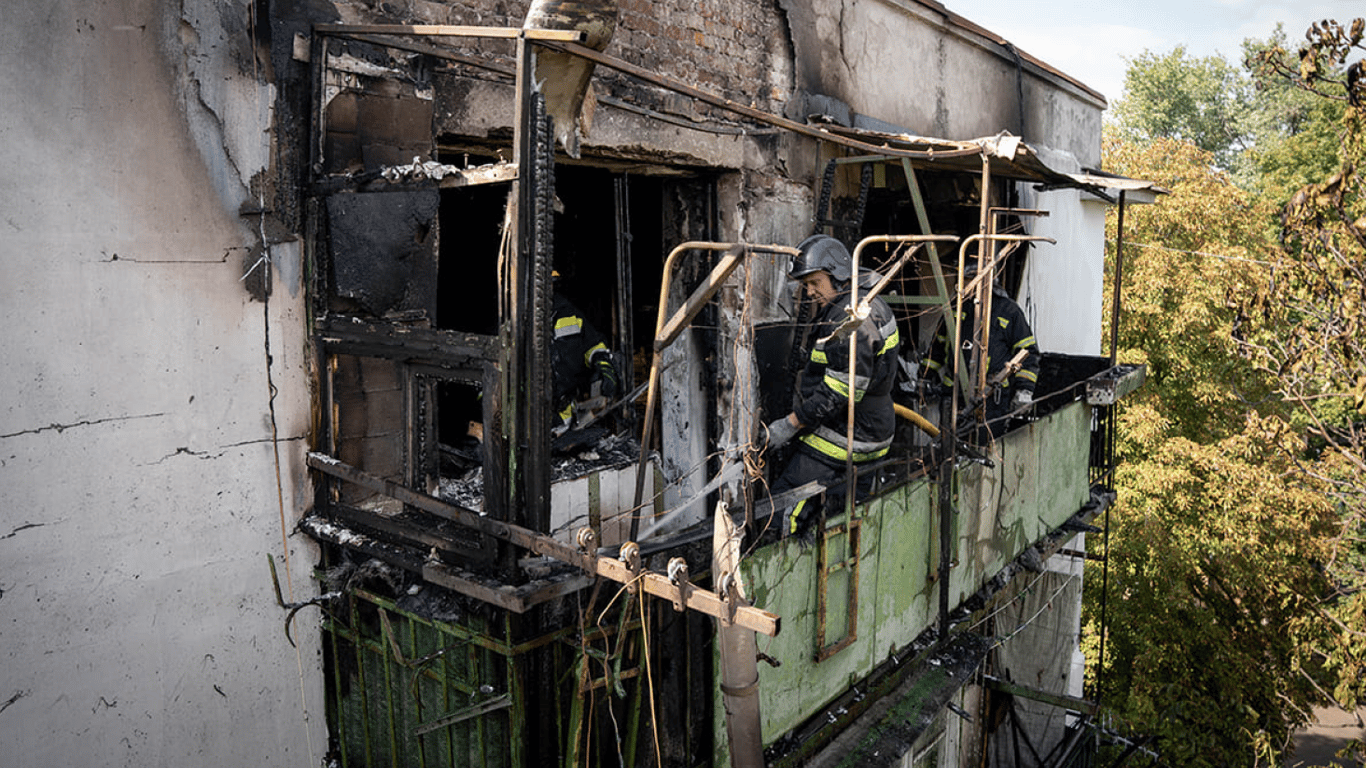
{"x":265,"y":264}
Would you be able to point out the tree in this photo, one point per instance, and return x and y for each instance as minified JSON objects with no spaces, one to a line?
{"x":1272,"y":136}
{"x":1216,"y":540}
{"x":1201,"y":101}
{"x":1294,"y":132}
{"x":1314,"y":334}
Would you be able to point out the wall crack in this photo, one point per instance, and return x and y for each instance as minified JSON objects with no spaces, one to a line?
{"x":23,"y":527}
{"x":113,"y":257}
{"x":17,"y":696}
{"x":84,"y":423}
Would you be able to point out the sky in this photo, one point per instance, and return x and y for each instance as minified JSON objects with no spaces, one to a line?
{"x":1090,"y":40}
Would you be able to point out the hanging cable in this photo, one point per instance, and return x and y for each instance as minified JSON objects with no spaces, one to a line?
{"x":267,"y":276}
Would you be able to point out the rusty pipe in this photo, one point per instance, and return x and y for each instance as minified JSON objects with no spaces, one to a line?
{"x":859,"y":312}
{"x":984,"y":271}
{"x":662,"y":318}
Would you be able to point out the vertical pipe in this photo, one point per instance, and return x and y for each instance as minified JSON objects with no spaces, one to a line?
{"x":625,"y":291}
{"x":1111,"y":428}
{"x":979,"y":364}
{"x":652,"y":389}
{"x":1118,"y":289}
{"x":738,"y":651}
{"x":987,"y":279}
{"x":950,"y":445}
{"x":849,"y":414}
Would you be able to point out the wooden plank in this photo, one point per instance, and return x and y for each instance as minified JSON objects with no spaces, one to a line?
{"x":430,"y":346}
{"x":450,"y":578}
{"x":413,"y":535}
{"x":451,"y":30}
{"x":652,"y":582}
{"x":493,"y":173}
{"x":1056,"y":699}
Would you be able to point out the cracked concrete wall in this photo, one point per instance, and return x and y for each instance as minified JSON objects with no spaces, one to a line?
{"x":138,"y":495}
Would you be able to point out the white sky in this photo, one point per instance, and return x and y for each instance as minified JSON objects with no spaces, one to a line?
{"x":1090,"y":40}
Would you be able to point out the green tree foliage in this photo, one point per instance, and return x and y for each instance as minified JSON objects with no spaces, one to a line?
{"x":1314,"y":326}
{"x":1181,"y":300}
{"x":1272,"y":136}
{"x":1216,"y":541}
{"x":1199,"y":100}
{"x":1294,"y":132}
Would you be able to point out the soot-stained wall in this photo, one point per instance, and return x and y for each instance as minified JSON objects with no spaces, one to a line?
{"x":138,"y":443}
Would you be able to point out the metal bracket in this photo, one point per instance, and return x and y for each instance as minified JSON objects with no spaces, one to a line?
{"x":630,"y":556}
{"x":678,"y":576}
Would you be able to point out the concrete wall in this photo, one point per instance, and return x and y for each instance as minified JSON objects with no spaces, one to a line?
{"x":1063,"y":291}
{"x":138,"y":491}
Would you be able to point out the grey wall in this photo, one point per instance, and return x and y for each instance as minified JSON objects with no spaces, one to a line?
{"x":138,"y":491}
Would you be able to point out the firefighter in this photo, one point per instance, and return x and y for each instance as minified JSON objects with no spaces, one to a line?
{"x":1010,"y":333}
{"x":578,"y":359}
{"x":819,"y":422}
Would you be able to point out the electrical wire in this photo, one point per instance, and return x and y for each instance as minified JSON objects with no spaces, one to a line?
{"x":267,"y":276}
{"x":1046,"y":605}
{"x":1128,"y":243}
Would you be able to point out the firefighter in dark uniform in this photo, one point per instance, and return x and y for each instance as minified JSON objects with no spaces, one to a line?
{"x":819,"y":422}
{"x":578,"y":359}
{"x":1010,"y":333}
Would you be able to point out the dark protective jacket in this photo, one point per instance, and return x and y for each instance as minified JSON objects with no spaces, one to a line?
{"x":825,"y":386}
{"x":1010,"y":333}
{"x":576,"y":352}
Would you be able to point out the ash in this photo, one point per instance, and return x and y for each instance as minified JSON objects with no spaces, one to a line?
{"x":609,"y":452}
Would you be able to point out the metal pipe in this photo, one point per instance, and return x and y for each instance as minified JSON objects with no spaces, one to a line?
{"x":675,"y":325}
{"x":1119,"y":283}
{"x":859,"y":313}
{"x":611,"y":62}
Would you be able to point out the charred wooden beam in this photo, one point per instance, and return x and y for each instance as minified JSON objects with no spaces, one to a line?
{"x":518,"y":599}
{"x":404,"y":531}
{"x":417,"y":346}
{"x":450,"y":30}
{"x":618,"y":570}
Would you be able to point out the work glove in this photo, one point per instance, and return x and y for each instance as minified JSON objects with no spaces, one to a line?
{"x":780,"y":432}
{"x":606,"y":377}
{"x":1023,"y":399}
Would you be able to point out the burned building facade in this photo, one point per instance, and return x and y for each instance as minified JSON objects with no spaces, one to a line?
{"x":285,"y":482}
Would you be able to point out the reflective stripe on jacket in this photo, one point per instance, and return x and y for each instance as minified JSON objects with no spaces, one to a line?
{"x":826,"y":386}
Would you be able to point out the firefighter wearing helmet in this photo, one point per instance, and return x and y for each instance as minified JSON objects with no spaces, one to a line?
{"x":819,"y":421}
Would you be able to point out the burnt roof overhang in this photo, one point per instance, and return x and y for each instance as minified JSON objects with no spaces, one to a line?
{"x":1009,"y":157}
{"x":1135,"y":190}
